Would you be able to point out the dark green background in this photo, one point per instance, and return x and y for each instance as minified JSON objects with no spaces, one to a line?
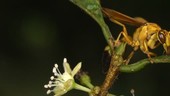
{"x":36,"y":34}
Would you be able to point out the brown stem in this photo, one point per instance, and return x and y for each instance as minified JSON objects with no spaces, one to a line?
{"x":111,"y":75}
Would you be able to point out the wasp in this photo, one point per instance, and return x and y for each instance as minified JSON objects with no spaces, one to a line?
{"x":147,"y":35}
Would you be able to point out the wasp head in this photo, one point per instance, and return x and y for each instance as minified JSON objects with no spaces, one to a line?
{"x":164,"y":39}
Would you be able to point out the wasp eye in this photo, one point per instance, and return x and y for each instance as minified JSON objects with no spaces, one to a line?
{"x":161,"y":36}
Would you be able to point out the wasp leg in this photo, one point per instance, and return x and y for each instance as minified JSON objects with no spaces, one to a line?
{"x":144,"y":48}
{"x":117,"y":22}
{"x":149,"y":54}
{"x":128,"y":39}
{"x":129,"y":57}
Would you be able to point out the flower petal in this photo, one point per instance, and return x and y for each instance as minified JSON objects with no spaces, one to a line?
{"x":76,"y":69}
{"x":66,"y":66}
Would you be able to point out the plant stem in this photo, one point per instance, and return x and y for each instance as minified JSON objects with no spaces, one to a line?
{"x":142,"y":63}
{"x":113,"y":71}
{"x":82,"y":88}
{"x":110,"y":78}
{"x":108,"y":36}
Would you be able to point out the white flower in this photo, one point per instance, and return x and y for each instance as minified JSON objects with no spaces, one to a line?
{"x":62,"y":83}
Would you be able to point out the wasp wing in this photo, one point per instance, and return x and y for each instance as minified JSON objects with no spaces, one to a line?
{"x":120,"y":17}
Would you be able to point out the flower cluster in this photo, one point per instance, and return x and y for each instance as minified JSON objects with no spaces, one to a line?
{"x":62,"y":83}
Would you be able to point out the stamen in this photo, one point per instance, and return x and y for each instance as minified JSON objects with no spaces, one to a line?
{"x":49,"y":91}
{"x":50,"y":82}
{"x":45,"y":86}
{"x":132,"y":91}
{"x":56,"y":65}
{"x":52,"y":78}
{"x":65,"y":60}
{"x":54,"y":70}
